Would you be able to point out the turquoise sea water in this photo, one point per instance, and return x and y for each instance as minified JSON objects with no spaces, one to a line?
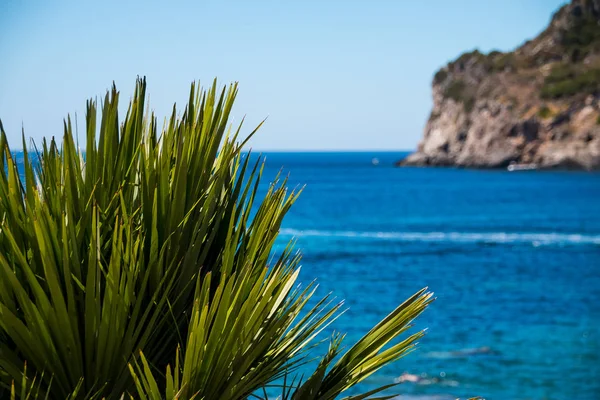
{"x":513,"y":258}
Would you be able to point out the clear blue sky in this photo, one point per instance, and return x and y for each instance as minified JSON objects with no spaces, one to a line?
{"x":343,"y":75}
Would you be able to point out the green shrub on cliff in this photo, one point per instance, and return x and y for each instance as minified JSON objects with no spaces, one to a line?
{"x":460,"y":62}
{"x":455,"y":90}
{"x":469,"y":103}
{"x":458,"y":91}
{"x":582,"y":37}
{"x":143,"y":267}
{"x":544,"y":112}
{"x":566,"y":80}
{"x":561,"y":72}
{"x":440,"y":76}
{"x":501,"y":62}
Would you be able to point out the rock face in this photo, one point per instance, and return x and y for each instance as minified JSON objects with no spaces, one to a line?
{"x":538,"y":105}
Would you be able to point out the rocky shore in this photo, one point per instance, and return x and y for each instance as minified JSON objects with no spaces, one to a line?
{"x":537,"y":107}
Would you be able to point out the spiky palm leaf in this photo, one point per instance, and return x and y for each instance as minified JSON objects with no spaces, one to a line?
{"x":113,"y":257}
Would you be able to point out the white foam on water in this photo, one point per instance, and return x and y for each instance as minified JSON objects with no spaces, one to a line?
{"x":535,"y":239}
{"x":424,"y":397}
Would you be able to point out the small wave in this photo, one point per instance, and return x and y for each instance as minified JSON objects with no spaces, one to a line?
{"x":425,"y":397}
{"x":535,"y":239}
{"x":462,"y":353}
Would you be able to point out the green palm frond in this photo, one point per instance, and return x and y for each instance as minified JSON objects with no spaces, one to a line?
{"x":143,"y":265}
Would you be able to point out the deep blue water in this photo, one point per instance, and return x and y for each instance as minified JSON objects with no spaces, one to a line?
{"x":513,"y":258}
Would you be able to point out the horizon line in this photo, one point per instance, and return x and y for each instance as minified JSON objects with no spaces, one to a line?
{"x":307,"y":150}
{"x":331,"y":150}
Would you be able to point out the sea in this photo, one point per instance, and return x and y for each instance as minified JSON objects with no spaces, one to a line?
{"x":512,"y":257}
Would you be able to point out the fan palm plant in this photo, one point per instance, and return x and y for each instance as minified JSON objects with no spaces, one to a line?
{"x":143,"y":265}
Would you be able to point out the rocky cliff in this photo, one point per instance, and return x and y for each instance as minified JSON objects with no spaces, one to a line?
{"x":538,"y":105}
